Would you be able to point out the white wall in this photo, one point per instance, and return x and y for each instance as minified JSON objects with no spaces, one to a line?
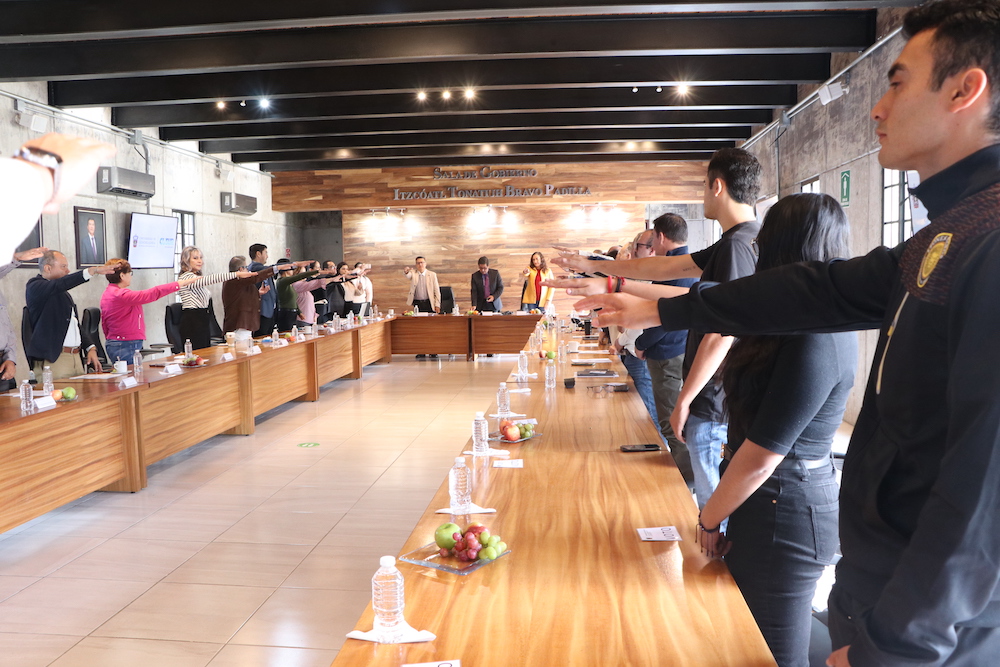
{"x":183,"y":182}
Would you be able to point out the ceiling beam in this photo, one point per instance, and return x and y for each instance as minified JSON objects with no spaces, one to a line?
{"x":322,"y":165}
{"x":706,"y":34}
{"x":510,"y":151}
{"x":433,"y":77}
{"x":75,"y":20}
{"x":478,"y":122}
{"x":398,"y":105}
{"x":576,"y":135}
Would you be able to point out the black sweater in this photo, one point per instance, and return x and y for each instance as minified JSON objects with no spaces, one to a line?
{"x":920,"y":500}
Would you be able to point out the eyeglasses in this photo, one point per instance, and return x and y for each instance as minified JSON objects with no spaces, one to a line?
{"x":644,"y":245}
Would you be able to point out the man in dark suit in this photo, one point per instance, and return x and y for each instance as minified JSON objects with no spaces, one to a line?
{"x":487,"y":286}
{"x":57,"y":336}
{"x":91,"y":247}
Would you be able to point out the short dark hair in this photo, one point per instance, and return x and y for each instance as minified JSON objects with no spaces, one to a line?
{"x":672,"y":226}
{"x":329,"y":261}
{"x":115,"y":277}
{"x":966,"y":35}
{"x":739,"y":170}
{"x":256,"y":248}
{"x":420,"y":257}
{"x":285,"y":261}
{"x":484,"y":260}
{"x":236,"y":263}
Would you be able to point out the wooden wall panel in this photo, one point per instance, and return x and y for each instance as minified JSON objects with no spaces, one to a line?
{"x":452,"y":239}
{"x":618,"y":182}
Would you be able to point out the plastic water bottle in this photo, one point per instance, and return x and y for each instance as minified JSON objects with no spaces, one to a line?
{"x":274,"y":335}
{"x":550,"y":374}
{"x":27,"y":400}
{"x":503,"y":400}
{"x":295,"y":333}
{"x":522,"y":364}
{"x":562,"y":352}
{"x":460,"y":487}
{"x":480,"y":435}
{"x":416,"y":309}
{"x":388,"y":601}
{"x":47,"y":385}
{"x":137,"y":365}
{"x":187,"y":348}
{"x":31,"y":376}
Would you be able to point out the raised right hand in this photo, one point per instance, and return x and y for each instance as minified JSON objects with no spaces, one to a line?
{"x":80,"y":160}
{"x":406,"y":270}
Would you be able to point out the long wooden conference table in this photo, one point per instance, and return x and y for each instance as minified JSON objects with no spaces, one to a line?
{"x":462,"y":334}
{"x":579,"y":587}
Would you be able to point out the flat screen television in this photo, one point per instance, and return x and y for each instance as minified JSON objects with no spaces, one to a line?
{"x":151,"y":240}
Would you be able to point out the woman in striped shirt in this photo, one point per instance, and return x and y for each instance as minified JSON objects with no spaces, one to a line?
{"x":194,"y":297}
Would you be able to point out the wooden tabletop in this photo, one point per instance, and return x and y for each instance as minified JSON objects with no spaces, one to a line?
{"x":579,"y":587}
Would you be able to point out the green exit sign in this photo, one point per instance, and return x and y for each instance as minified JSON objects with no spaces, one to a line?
{"x":845,"y":188}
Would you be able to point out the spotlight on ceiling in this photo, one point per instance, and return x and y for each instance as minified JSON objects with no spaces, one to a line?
{"x":659,"y":89}
{"x":683,"y":89}
{"x":469,"y":93}
{"x":243,"y":103}
{"x":831,"y":92}
{"x":445,"y":94}
{"x":421,"y":95}
{"x":220,"y":105}
{"x":265,"y":103}
{"x":635,"y":89}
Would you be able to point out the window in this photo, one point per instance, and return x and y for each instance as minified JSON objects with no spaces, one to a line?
{"x":897,"y":218}
{"x":185,"y":237}
{"x":811,"y":186}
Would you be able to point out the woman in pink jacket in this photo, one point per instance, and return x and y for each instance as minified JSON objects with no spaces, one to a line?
{"x":303,"y":293}
{"x":121,"y":311}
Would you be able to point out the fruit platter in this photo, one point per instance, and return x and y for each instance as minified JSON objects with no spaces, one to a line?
{"x":459,"y":551}
{"x":64,"y":395}
{"x":514,"y":432}
{"x":193,"y":361}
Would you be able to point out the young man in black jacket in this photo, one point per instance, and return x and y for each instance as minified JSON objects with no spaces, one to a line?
{"x":919,"y":583}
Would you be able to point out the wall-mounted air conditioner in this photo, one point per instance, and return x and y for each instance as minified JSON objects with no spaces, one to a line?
{"x":125,"y":182}
{"x":236,"y":203}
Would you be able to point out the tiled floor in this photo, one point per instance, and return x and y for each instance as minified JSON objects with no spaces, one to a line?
{"x":244,"y":551}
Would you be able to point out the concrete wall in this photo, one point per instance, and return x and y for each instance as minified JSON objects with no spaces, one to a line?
{"x":825,"y":141}
{"x":183,"y":182}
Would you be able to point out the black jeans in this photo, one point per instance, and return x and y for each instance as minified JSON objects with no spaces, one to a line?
{"x":266,"y":327}
{"x":424,"y":305}
{"x":285,"y":319}
{"x":783,"y":536}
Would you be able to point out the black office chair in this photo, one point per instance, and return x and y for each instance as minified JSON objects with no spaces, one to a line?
{"x":447,"y":299}
{"x":214,"y":330}
{"x":26,"y":333}
{"x":172,"y":323}
{"x":91,"y":323}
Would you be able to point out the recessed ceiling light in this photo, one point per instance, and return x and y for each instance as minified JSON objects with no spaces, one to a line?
{"x":421,"y":95}
{"x":220,"y":105}
{"x":683,"y":89}
{"x":446,"y":94}
{"x":265,"y":103}
{"x":635,"y":89}
{"x":469,"y":93}
{"x":243,"y":103}
{"x":659,"y":89}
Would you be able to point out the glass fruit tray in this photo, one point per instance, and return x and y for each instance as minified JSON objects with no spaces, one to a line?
{"x":430,"y":556}
{"x":495,"y":437}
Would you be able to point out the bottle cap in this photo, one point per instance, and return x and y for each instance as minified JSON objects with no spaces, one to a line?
{"x":503,"y":384}
{"x":460,"y":459}
{"x":480,"y":415}
{"x":387,"y":561}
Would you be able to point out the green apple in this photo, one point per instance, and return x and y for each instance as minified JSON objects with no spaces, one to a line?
{"x":443,"y":535}
{"x":551,"y":354}
{"x":69,"y":393}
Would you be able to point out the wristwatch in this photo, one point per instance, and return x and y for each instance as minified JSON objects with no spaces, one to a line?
{"x":43,"y":158}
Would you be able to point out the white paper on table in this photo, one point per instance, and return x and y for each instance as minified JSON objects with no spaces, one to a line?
{"x":128,"y":382}
{"x":98,"y":376}
{"x":660,"y":534}
{"x":228,"y":356}
{"x":443,"y":663}
{"x":171,"y":369}
{"x":255,"y":349}
{"x":45,"y":403}
{"x":522,"y":390}
{"x":408,"y":635}
{"x":596,"y":361}
{"x":509,"y":463}
{"x":473,"y":509}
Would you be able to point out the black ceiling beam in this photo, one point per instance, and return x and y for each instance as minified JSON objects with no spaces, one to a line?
{"x":409,"y":77}
{"x":319,"y":165}
{"x":476,"y":137}
{"x":706,"y":34}
{"x":73,"y":20}
{"x":478,"y":122}
{"x":380,"y":106}
{"x":446,"y":152}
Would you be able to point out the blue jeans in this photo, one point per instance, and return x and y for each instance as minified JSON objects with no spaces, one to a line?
{"x":704,"y":442}
{"x":636,"y":368}
{"x":122,"y":350}
{"x":783,"y":536}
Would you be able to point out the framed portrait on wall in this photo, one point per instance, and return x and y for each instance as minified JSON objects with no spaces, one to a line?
{"x":32,"y":240}
{"x":91,"y":249}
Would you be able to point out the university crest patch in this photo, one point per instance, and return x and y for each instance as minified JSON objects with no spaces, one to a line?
{"x":935,"y":251}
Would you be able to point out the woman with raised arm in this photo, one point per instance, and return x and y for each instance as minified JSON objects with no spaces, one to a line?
{"x":121,"y":310}
{"x":534,"y":294}
{"x":195,"y":324}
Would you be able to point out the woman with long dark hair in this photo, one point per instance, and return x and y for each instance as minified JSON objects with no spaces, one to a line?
{"x":534,"y":294}
{"x":786,"y":397}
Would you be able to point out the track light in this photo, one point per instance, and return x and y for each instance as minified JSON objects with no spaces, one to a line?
{"x":421,"y":95}
{"x":659,"y":89}
{"x":265,"y":103}
{"x":682,"y":89}
{"x":446,"y":95}
{"x":635,"y":89}
{"x":220,"y":105}
{"x":469,"y":93}
{"x":243,"y":103}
